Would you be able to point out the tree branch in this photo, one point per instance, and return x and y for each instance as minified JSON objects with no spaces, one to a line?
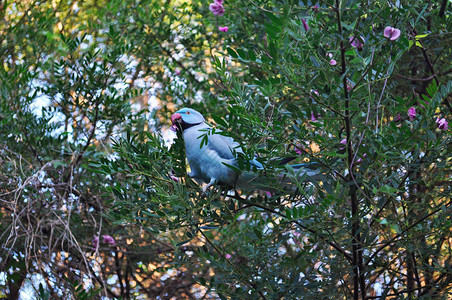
{"x":249,"y":281}
{"x":404,"y":231}
{"x":321,"y":236}
{"x":357,"y":259}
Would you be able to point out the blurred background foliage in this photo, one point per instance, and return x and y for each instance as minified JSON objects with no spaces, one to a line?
{"x":87,"y":89}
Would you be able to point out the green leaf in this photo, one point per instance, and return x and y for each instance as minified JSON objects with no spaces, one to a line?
{"x":288,"y":213}
{"x":251,"y":55}
{"x":150,"y":214}
{"x":271,"y":30}
{"x":232,"y":52}
{"x":386,"y":189}
{"x":183,"y":242}
{"x":258,"y":233}
{"x":242,"y":54}
{"x":295,"y":213}
{"x":274,"y":18}
{"x":421,"y":36}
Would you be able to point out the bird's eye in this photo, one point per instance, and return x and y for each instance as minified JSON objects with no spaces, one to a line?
{"x":188,"y":112}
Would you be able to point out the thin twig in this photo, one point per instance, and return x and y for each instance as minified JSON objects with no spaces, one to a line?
{"x":250,"y":281}
{"x":396,"y":237}
{"x":321,"y":236}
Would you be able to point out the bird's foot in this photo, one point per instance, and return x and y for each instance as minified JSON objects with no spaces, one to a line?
{"x":207,"y":187}
{"x":204,"y":190}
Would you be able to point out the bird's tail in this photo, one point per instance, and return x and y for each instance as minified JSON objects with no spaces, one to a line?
{"x":311,"y":168}
{"x":298,"y":173}
{"x":288,"y":178}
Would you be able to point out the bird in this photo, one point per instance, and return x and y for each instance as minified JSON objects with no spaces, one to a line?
{"x":215,"y":161}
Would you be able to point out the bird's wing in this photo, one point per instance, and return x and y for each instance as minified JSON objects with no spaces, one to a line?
{"x":227,"y":148}
{"x":224,"y":146}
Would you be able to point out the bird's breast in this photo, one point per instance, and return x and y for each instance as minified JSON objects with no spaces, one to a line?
{"x":207,"y":163}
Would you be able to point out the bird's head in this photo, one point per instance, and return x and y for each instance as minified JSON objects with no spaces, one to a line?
{"x":185,"y":118}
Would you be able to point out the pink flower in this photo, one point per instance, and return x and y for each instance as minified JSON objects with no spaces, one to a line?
{"x":343,"y":142}
{"x":442,"y":124}
{"x":217,"y":8}
{"x":332,"y":61}
{"x":315,"y":8}
{"x":313,"y":118}
{"x":269,"y":194}
{"x":177,"y":71}
{"x":219,"y":1}
{"x":224,"y":29}
{"x":355,"y":42}
{"x":95,"y":241}
{"x":397,"y":118}
{"x":315,"y":92}
{"x":391,"y":33}
{"x":360,"y":160}
{"x":174,"y":178}
{"x":228,"y":256}
{"x":299,"y":149}
{"x":295,"y":238}
{"x":305,"y":24}
{"x":108,"y":239}
{"x":412,"y":113}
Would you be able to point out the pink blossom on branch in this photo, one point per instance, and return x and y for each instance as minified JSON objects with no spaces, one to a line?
{"x":332,"y":61}
{"x":343,"y":142}
{"x":217,"y":8}
{"x":355,"y":42}
{"x":412,"y":113}
{"x":95,"y":241}
{"x":315,"y":92}
{"x":391,"y":33}
{"x":442,"y":124}
{"x":313,"y":118}
{"x":299,"y":149}
{"x":305,"y":25}
{"x":223,"y":29}
{"x":360,"y":160}
{"x":108,"y":239}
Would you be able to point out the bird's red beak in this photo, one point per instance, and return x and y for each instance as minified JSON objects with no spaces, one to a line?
{"x":175,"y":118}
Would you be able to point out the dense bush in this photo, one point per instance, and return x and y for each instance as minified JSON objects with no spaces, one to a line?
{"x":95,"y":200}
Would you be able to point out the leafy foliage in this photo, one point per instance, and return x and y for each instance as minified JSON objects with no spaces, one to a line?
{"x":87,"y":91}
